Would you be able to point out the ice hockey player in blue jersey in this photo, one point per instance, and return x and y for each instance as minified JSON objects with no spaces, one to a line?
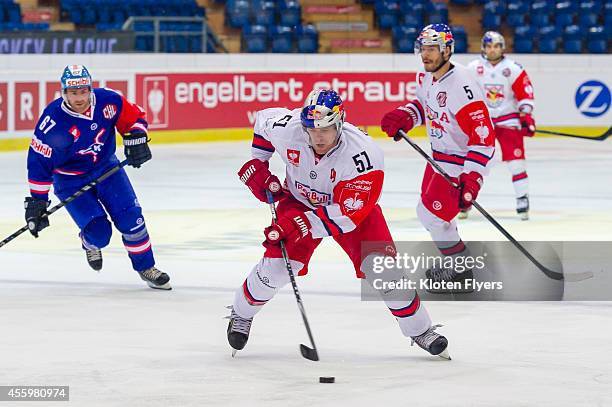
{"x":73,"y":144}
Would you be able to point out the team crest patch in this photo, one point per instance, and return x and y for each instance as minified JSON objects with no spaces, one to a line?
{"x":441,"y":97}
{"x":293,"y":157}
{"x":109,"y":111}
{"x":480,"y":70}
{"x":76,"y":133}
{"x":494,"y":94}
{"x":506,"y":72}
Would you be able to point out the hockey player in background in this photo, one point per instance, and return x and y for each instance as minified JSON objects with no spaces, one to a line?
{"x":73,"y":144}
{"x":450,"y":104}
{"x":334,"y":177}
{"x":509,"y":96}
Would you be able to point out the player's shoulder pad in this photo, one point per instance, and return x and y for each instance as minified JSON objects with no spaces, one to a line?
{"x":104,"y":95}
{"x":276,"y":120}
{"x":359,"y":141}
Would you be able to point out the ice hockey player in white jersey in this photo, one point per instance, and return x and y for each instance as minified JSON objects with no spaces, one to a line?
{"x":451,"y":105}
{"x":334,"y":177}
{"x":509,"y":96}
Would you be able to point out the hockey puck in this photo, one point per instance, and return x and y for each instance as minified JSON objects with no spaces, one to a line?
{"x":327,"y":379}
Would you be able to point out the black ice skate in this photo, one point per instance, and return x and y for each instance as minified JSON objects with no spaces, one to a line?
{"x":433,"y":342}
{"x":94,"y":258}
{"x":156,"y":279}
{"x":448,"y":281}
{"x":238,"y":331}
{"x":522,"y":207}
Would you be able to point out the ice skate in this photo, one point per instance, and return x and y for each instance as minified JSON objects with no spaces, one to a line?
{"x":433,"y":342}
{"x":156,"y":279}
{"x":238,"y":331}
{"x":522,"y":207}
{"x":448,"y":281}
{"x":94,"y":258}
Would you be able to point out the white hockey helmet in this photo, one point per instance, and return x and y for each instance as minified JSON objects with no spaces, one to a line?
{"x":492,"y":37}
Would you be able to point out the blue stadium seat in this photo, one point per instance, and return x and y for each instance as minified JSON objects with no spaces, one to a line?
{"x":281,"y":39}
{"x":548,"y":45}
{"x":597,"y":33}
{"x":564,"y":18}
{"x":461,"y":46}
{"x":404,"y":37}
{"x":573,"y":32}
{"x":590,"y":7}
{"x":524,"y":32}
{"x":413,"y":20}
{"x":491,"y":21}
{"x":542,"y":7}
{"x":411,"y":8}
{"x":495,"y":7}
{"x":597,"y":46}
{"x":255,"y":38}
{"x":264,"y":14}
{"x":237,"y":14}
{"x":307,"y":39}
{"x":195,"y":43}
{"x":572,"y":46}
{"x":587,"y":19}
{"x":387,"y":13}
{"x":523,"y":46}
{"x":290,"y":13}
{"x":539,"y":19}
{"x":14,"y":13}
{"x":517,"y":7}
{"x":516,"y":19}
{"x":549,"y":31}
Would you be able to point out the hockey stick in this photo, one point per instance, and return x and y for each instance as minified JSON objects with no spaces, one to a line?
{"x":308,"y":353}
{"x":555,"y":275}
{"x":597,"y":138}
{"x":69,"y":199}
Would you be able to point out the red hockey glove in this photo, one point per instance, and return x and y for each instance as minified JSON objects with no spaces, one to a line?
{"x":469,"y":185}
{"x":291,"y":227}
{"x":527,"y":125}
{"x":402,"y":118}
{"x":256,"y":175}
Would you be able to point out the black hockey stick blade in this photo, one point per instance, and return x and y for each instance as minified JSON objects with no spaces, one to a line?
{"x":309,"y":353}
{"x":596,"y":138}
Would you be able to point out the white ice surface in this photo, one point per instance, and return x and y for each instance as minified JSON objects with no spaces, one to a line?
{"x":118,"y":343}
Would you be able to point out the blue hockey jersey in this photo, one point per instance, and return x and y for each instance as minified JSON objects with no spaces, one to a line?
{"x":69,"y":144}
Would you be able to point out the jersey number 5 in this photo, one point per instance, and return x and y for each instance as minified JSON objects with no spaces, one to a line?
{"x":361,"y":166}
{"x":43,"y":125}
{"x":468,"y":92}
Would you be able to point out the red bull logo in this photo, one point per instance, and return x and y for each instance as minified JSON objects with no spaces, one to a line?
{"x":494,"y":94}
{"x":436,"y":129}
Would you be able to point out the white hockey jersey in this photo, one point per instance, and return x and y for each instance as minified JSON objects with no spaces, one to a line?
{"x":507,"y":89}
{"x":457,"y":120}
{"x":341,"y":188}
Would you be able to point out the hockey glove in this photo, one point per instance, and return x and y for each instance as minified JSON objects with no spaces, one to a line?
{"x":402,"y":118}
{"x":256,"y":175}
{"x":527,"y":125}
{"x":34,"y":211}
{"x":136,"y":147}
{"x":469,"y":185}
{"x":291,"y":228}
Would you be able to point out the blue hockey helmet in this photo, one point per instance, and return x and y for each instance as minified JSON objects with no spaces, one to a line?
{"x":438,"y":34}
{"x":75,"y":77}
{"x":323,"y":108}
